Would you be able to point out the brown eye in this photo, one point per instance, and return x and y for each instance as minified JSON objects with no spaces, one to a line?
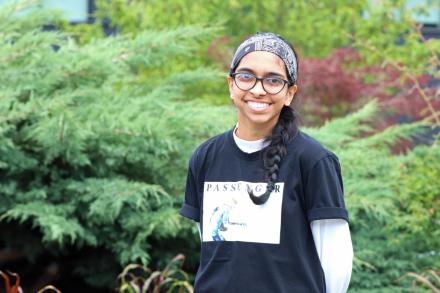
{"x":274,"y":81}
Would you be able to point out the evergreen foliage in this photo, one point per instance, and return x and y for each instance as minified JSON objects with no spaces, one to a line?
{"x":392,"y":200}
{"x":92,"y":157}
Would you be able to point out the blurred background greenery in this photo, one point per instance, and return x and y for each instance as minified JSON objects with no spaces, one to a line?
{"x":99,"y":114}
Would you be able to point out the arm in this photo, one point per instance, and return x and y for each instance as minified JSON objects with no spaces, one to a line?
{"x":333,"y":244}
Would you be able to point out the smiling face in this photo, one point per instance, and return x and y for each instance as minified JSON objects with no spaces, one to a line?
{"x":256,"y":108}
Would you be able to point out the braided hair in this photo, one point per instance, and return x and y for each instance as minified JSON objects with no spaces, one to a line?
{"x":285,"y":129}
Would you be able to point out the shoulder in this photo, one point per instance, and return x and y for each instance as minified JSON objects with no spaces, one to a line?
{"x":309,"y":151}
{"x":207,"y":149}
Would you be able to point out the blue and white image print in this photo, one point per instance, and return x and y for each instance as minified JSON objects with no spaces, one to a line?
{"x":230,"y":215}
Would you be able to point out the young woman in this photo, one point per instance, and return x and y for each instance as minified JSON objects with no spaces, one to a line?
{"x":268,"y":198}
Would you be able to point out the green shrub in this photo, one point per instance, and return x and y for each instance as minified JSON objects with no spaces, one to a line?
{"x":392,"y":200}
{"x":93,"y":157}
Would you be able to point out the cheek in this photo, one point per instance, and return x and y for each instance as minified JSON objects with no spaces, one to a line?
{"x":236,"y":93}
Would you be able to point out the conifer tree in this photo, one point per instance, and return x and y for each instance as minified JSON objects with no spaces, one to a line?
{"x":391,"y":198}
{"x":92,"y":157}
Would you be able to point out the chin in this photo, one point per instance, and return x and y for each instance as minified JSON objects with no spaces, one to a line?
{"x":260,"y":120}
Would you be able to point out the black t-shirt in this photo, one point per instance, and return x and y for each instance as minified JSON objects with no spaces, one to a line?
{"x":261,"y":248}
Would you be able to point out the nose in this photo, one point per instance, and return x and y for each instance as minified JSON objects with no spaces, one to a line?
{"x":258,"y":89}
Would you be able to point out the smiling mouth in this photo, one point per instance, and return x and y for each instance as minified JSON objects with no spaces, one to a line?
{"x":257,"y":106}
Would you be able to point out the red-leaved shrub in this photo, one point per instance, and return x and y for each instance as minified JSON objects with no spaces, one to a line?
{"x":342,"y":82}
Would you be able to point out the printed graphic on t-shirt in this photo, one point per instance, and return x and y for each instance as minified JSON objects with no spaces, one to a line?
{"x":230,"y":215}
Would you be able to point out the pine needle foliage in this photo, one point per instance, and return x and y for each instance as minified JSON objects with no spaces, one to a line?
{"x":393,"y":200}
{"x":93,"y":156}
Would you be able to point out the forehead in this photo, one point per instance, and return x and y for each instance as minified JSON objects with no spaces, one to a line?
{"x":262,"y":62}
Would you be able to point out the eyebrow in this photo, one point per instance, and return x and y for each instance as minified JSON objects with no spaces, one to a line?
{"x":266,"y":74}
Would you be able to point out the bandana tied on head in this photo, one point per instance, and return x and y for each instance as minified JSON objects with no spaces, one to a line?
{"x":272,"y":43}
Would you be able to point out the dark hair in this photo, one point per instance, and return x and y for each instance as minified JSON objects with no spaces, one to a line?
{"x":286,"y":128}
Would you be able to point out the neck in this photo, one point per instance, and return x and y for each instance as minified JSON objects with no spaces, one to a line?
{"x":253,"y":132}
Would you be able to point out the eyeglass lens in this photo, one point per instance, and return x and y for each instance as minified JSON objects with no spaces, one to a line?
{"x":246,"y":81}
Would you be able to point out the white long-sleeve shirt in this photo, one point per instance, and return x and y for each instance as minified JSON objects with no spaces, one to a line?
{"x":333,"y":244}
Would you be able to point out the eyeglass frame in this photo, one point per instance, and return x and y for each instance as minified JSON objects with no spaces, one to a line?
{"x":260,"y":79}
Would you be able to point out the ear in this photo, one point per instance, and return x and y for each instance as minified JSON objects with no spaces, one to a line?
{"x":290,"y":94}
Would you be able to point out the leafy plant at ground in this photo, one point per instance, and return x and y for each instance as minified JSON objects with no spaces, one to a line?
{"x":140,"y":279}
{"x":49,"y":288}
{"x":430,"y":279}
{"x":16,"y":288}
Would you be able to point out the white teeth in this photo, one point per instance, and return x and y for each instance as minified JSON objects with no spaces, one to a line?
{"x":257,"y":106}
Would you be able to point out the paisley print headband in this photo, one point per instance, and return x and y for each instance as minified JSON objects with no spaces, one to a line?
{"x":272,"y":43}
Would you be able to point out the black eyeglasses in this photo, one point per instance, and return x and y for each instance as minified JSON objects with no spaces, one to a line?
{"x":246,"y":81}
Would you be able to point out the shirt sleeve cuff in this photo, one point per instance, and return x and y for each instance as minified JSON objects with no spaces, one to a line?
{"x":327,"y":213}
{"x":190,"y":212}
